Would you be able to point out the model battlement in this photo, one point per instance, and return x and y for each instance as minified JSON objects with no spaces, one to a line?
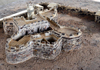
{"x":44,"y":38}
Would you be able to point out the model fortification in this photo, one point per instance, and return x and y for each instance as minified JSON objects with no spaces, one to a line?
{"x":97,"y":16}
{"x":38,"y":35}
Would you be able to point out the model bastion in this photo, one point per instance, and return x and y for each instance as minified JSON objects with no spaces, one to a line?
{"x":38,"y":34}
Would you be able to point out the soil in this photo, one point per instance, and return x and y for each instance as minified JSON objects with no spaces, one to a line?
{"x":85,"y":58}
{"x":20,"y":5}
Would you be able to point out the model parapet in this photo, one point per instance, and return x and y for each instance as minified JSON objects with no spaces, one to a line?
{"x":38,"y":35}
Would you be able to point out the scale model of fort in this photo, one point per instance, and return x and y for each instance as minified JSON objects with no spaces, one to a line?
{"x":38,"y":34}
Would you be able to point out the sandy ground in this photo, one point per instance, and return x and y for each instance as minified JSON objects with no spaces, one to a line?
{"x":19,"y":5}
{"x":86,"y":58}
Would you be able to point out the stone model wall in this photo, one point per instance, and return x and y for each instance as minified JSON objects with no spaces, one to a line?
{"x":14,"y":56}
{"x":33,"y":48}
{"x":32,"y":28}
{"x":47,"y":51}
{"x":69,"y":9}
{"x":71,"y":43}
{"x":9,"y":28}
{"x":97,"y":18}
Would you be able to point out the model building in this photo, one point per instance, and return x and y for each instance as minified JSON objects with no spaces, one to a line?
{"x":38,"y":34}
